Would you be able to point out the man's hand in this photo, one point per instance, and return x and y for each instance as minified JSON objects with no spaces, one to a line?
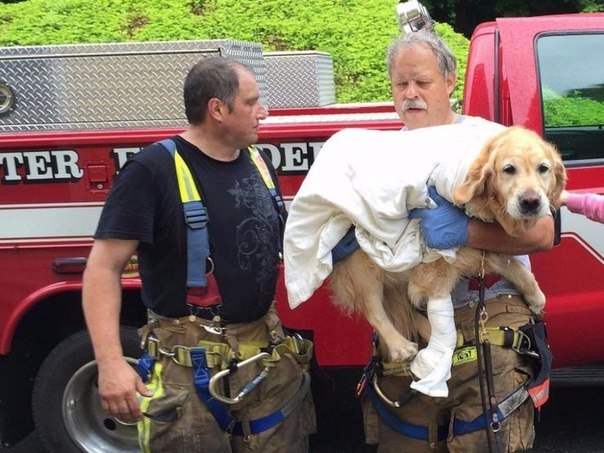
{"x":443,"y":227}
{"x":119,"y":386}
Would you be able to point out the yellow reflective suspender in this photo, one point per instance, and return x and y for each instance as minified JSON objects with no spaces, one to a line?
{"x":268,"y":182}
{"x":196,"y":219}
{"x":186,"y":183}
{"x":198,"y":243}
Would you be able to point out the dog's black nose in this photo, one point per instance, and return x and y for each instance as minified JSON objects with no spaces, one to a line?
{"x":530,"y":203}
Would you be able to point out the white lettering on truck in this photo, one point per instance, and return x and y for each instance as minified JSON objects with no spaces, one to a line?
{"x":62,"y":165}
{"x":122,"y":155}
{"x":41,"y":165}
{"x":292,"y":157}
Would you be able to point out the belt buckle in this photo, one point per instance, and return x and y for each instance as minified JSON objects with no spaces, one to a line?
{"x":215,"y":330}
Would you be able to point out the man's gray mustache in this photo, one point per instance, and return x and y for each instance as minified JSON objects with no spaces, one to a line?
{"x":414,"y":104}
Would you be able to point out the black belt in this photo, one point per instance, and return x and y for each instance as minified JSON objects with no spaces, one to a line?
{"x":209,"y":313}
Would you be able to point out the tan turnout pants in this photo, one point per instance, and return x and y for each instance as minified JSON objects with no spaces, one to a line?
{"x":194,"y":428}
{"x":510,"y":370}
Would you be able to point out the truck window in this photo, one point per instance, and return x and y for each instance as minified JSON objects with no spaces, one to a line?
{"x":572,"y":93}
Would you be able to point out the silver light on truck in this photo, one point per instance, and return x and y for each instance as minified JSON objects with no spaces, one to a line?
{"x":412,"y":16}
{"x":7,"y":97}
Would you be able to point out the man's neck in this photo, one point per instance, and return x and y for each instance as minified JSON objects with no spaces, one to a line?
{"x":210,"y":145}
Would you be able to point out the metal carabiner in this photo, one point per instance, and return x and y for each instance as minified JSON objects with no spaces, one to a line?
{"x":381,"y":394}
{"x":400,"y":402}
{"x":246,"y":388}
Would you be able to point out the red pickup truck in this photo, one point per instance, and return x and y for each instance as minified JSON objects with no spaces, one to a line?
{"x":65,"y":133}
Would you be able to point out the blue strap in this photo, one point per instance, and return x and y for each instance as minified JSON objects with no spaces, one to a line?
{"x":144,"y":366}
{"x":260,"y":424}
{"x":277,"y":200}
{"x":345,"y":247}
{"x":460,"y":427}
{"x":507,"y":406}
{"x":400,"y":426}
{"x":196,"y":218}
{"x":197,"y":239}
{"x":201,"y":377}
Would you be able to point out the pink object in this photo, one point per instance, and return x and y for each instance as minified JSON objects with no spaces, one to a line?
{"x":588,"y":204}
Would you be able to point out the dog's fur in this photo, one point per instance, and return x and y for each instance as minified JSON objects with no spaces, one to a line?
{"x":515,"y":180}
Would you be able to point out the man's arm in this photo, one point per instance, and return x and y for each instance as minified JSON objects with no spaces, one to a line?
{"x":101,"y":300}
{"x":491,"y":237}
{"x":447,"y":226}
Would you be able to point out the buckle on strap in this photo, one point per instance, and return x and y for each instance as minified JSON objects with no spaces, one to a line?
{"x":523,"y":345}
{"x":501,"y":336}
{"x":182,"y":355}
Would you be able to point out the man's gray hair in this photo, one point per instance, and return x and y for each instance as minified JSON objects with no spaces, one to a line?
{"x":445,"y":58}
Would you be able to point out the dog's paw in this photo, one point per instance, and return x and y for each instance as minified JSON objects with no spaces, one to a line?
{"x":535,"y":301}
{"x":402,"y":351}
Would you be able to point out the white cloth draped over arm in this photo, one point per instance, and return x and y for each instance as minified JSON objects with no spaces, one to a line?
{"x":371,"y":179}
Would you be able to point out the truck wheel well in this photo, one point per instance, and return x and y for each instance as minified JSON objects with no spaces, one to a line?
{"x":42,"y":328}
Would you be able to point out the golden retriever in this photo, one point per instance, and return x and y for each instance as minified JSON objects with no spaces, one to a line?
{"x":515,"y":180}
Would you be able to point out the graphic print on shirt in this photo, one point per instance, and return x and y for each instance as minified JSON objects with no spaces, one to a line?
{"x":255,"y":234}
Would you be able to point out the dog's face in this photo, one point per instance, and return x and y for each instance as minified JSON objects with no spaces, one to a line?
{"x":515,"y":180}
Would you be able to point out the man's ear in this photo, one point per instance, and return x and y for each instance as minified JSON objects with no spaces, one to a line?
{"x":216,"y":109}
{"x":451,"y":82}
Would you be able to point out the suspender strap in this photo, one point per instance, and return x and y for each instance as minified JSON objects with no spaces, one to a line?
{"x":400,"y":426}
{"x":270,"y":185}
{"x":266,"y":177}
{"x":196,"y":218}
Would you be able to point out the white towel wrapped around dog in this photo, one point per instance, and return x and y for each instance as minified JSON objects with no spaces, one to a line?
{"x":372,"y":179}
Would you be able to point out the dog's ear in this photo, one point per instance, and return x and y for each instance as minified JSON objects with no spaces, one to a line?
{"x":475,"y":183}
{"x":559,"y":174}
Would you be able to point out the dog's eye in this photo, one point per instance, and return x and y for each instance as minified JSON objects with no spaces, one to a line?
{"x":543,"y":168}
{"x":509,"y":169}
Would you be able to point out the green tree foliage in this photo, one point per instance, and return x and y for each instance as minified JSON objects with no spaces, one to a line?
{"x":355,"y":32}
{"x":465,"y":15}
{"x":574,"y":109}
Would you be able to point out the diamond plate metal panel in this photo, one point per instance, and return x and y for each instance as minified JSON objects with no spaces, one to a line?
{"x":299,"y":79}
{"x":114,"y":85}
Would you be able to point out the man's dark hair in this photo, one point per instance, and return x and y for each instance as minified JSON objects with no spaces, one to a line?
{"x":212,"y":77}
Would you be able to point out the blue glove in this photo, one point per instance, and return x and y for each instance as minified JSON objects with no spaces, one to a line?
{"x":345,"y":247}
{"x":443,"y":227}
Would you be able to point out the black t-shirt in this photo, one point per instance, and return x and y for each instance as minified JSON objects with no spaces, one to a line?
{"x":243,"y":227}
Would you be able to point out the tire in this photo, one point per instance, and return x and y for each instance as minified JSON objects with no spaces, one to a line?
{"x":66,"y":406}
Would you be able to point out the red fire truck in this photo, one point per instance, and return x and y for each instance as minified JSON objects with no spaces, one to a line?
{"x":71,"y":115}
